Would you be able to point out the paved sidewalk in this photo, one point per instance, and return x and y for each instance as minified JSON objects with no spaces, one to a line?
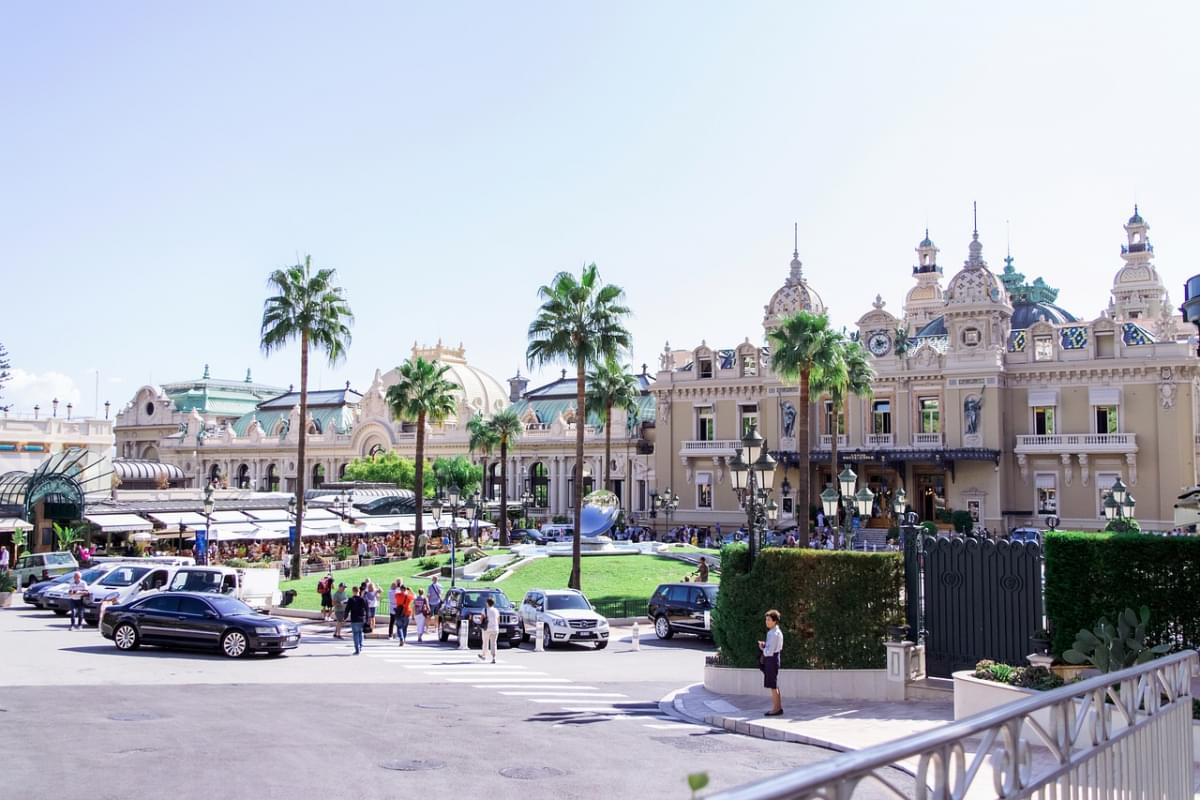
{"x":838,"y":725}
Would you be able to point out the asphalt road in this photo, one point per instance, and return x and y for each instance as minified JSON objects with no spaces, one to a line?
{"x":80,"y":719}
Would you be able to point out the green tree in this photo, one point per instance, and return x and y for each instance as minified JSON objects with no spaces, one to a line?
{"x":802,"y":343}
{"x":481,"y":439}
{"x":581,"y":321}
{"x":506,"y":428}
{"x":383,"y":468}
{"x":67,"y":535}
{"x":610,"y":386}
{"x":457,"y":471}
{"x":307,"y":307}
{"x":849,"y":374}
{"x":421,"y":395}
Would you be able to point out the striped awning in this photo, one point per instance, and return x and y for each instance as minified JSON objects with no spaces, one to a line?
{"x":119,"y":523}
{"x":136,"y":469}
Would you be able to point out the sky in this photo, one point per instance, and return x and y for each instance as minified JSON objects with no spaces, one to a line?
{"x":158,"y":160}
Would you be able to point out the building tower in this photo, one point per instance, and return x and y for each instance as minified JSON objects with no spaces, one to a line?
{"x":1137,"y":292}
{"x":924,"y":301}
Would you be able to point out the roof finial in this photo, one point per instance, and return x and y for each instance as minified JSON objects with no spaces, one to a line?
{"x":975,"y":218}
{"x":1008,"y":240}
{"x":248,"y":375}
{"x":795,"y":240}
{"x":205,"y":372}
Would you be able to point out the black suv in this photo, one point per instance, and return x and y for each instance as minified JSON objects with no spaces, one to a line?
{"x":471,"y":604}
{"x":679,"y":608}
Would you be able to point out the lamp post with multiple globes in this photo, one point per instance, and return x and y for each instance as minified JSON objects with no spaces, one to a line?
{"x":752,"y":472}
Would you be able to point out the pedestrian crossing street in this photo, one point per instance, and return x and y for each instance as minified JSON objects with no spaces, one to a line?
{"x":570,"y":703}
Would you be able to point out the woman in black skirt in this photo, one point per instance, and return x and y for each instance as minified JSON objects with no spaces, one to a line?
{"x":771,"y":649}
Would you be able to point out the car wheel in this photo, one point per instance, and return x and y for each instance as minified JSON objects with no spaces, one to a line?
{"x":125,"y":637}
{"x":601,"y":645}
{"x":662,"y":628}
{"x":442,"y":635}
{"x":524,"y":634}
{"x":234,"y":644}
{"x":547,"y":639}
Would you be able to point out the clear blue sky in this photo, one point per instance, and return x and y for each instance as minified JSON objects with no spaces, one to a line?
{"x":157,"y":160}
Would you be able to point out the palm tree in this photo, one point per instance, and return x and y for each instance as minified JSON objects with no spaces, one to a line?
{"x":421,"y":395}
{"x":506,"y":427}
{"x":309,"y":307}
{"x":610,"y":386}
{"x":581,"y":321}
{"x":801,"y":344}
{"x":481,"y":438}
{"x":848,"y":375}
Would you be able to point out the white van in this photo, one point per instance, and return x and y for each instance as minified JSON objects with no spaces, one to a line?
{"x":31,"y":566}
{"x":558,"y":533}
{"x":124,"y":583}
{"x":257,"y":588}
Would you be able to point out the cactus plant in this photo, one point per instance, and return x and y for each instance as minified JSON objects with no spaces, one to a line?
{"x":1109,"y":648}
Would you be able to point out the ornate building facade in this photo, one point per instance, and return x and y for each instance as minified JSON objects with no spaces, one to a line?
{"x":989,"y":398}
{"x":245,"y":435}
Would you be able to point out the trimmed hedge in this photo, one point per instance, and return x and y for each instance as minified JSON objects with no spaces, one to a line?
{"x":1093,"y":575}
{"x":836,"y":606}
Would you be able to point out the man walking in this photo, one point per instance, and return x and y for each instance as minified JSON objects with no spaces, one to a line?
{"x":491,"y":630}
{"x":404,"y":603}
{"x":435,"y":597}
{"x":76,"y":591}
{"x":339,"y":610}
{"x":356,"y":607}
{"x":362,"y":552}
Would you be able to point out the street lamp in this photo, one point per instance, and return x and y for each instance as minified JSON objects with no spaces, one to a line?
{"x":1120,"y":503}
{"x":667,"y":502}
{"x":209,"y":505}
{"x":471,"y":512}
{"x":293,"y":534}
{"x":752,"y":472}
{"x":862,"y":501}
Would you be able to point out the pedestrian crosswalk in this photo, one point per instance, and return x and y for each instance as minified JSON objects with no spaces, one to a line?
{"x":560,"y":700}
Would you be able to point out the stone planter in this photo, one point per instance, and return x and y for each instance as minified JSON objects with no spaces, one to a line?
{"x":973,"y":695}
{"x":1069,"y":672}
{"x":815,"y":684}
{"x":6,"y":599}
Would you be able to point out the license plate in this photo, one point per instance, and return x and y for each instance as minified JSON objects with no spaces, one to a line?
{"x":587,"y":634}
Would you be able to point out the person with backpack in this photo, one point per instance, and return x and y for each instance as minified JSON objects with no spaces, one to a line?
{"x":404,"y":606}
{"x":421,"y":610}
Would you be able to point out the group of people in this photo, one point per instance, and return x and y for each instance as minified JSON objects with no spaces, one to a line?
{"x":360,"y":608}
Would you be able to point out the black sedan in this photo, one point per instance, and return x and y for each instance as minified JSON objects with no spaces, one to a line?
{"x":470,"y":605}
{"x":191,"y":619}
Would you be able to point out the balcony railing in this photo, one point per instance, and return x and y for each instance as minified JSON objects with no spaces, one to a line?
{"x":880,"y":440}
{"x":826,"y":442}
{"x":709,"y":447}
{"x":1126,"y":733}
{"x":1077,"y":443}
{"x":927,"y":439}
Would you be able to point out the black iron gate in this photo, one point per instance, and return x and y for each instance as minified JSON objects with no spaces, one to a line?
{"x":975,"y":599}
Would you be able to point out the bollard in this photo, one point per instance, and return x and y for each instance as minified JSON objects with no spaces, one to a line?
{"x":464,"y":634}
{"x":538,"y":645}
{"x":636,"y":636}
{"x":707,"y":620}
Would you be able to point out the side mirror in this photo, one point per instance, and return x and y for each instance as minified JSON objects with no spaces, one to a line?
{"x":209,"y":614}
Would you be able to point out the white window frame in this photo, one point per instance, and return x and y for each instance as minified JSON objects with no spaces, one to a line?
{"x":1053,"y":419}
{"x":702,"y":412}
{"x":704,"y":481}
{"x":1104,"y":482}
{"x":1038,"y":488}
{"x":748,"y":410}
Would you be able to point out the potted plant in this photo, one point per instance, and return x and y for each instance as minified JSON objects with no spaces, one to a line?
{"x":1040,"y":641}
{"x":897,"y":633}
{"x":8,"y":586}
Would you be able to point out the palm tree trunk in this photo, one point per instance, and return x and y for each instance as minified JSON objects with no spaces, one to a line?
{"x":607,"y":444}
{"x":833,"y":442}
{"x":577,"y":491}
{"x":504,"y":492}
{"x":804,"y":484}
{"x":300,"y":454}
{"x":419,"y":479}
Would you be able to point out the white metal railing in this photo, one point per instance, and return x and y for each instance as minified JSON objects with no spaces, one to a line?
{"x":927,"y":440}
{"x":700,"y":446}
{"x":1057,"y":442}
{"x":827,"y":441}
{"x":1124,"y":734}
{"x":536,"y":427}
{"x":880,"y":440}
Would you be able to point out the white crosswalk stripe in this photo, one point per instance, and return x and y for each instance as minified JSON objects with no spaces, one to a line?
{"x":503,"y":678}
{"x":555,"y":693}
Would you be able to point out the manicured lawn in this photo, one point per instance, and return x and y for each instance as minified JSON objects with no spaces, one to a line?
{"x":606,"y":579}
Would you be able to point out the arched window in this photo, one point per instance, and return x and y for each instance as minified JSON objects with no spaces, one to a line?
{"x":494,"y":483}
{"x":243,"y":476}
{"x":375,"y":450}
{"x":318,"y":475}
{"x":214,"y":472}
{"x":539,"y":485}
{"x":342,"y":472}
{"x":272,"y":478}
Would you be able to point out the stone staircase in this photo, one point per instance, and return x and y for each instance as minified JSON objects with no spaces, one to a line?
{"x":871,"y":539}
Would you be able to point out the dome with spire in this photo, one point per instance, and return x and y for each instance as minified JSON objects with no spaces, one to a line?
{"x":795,"y":295}
{"x":1136,"y":219}
{"x":975,"y":283}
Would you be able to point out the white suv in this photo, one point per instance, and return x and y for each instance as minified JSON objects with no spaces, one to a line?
{"x":562,"y":615}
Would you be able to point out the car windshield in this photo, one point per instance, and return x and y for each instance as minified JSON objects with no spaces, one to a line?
{"x":475,"y":599}
{"x":89,"y":575}
{"x":123,"y":576}
{"x":228,"y":606}
{"x":560,"y":602}
{"x":711,"y":593}
{"x":197,"y":581}
{"x":59,"y":559}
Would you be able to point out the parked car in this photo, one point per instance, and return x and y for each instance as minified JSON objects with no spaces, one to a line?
{"x":192,"y":619}
{"x":33,"y":567}
{"x":33,"y":593}
{"x":56,"y":599}
{"x":562,"y":615}
{"x":558,"y":533}
{"x":1025,"y":535}
{"x":527,"y":536}
{"x":679,"y":608}
{"x":123,"y":584}
{"x":470,"y":604}
{"x":257,"y":588}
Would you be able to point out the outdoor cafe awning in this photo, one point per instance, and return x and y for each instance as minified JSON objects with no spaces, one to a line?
{"x":172,"y":519}
{"x":119,"y":523}
{"x":10,"y":524}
